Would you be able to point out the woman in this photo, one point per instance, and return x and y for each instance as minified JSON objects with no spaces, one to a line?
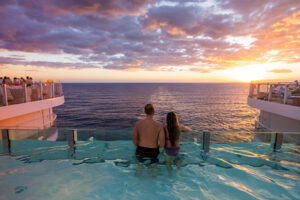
{"x":172,"y":140}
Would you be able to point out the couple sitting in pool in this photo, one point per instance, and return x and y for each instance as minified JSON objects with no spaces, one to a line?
{"x":149,"y":136}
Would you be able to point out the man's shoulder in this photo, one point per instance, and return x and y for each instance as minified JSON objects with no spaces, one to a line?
{"x":139,"y":122}
{"x":158,"y":124}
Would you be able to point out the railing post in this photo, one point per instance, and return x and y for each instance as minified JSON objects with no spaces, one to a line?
{"x":72,"y":137}
{"x":251,"y":90}
{"x":53,"y":91}
{"x":258,"y":88}
{"x":270,"y":92}
{"x":206,"y":142}
{"x":285,"y":94}
{"x":6,"y":142}
{"x":5,"y":95}
{"x":277,"y":140}
{"x":25,"y":92}
{"x":61,"y":89}
{"x":41,"y":90}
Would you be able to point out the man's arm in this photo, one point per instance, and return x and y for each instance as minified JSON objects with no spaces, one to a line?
{"x":135,"y":136}
{"x":161,"y":137}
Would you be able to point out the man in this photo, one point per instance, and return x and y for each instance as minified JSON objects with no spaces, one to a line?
{"x":148,"y":136}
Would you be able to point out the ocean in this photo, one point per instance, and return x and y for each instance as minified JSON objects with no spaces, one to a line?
{"x":214,"y":107}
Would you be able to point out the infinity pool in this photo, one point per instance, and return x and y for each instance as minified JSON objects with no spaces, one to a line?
{"x":108,"y":170}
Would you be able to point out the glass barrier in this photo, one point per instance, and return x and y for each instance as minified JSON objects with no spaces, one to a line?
{"x":16,"y":94}
{"x":219,"y":148}
{"x":58,"y":90}
{"x":223,"y":149}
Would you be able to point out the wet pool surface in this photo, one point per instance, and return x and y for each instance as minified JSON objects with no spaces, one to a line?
{"x":108,"y":170}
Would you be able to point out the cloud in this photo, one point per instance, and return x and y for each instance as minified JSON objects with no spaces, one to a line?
{"x":188,"y":20}
{"x":280,"y":71}
{"x":202,"y":35}
{"x":32,"y":70}
{"x":83,"y":7}
{"x":22,"y":61}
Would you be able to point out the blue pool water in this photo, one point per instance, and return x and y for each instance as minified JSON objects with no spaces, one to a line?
{"x":108,"y":170}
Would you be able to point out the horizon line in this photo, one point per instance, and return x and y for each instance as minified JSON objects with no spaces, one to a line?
{"x":159,"y":82}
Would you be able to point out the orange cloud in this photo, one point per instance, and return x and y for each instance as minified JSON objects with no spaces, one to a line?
{"x":280,"y":71}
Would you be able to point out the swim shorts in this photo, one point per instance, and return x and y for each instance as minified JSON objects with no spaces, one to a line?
{"x":145,"y":153}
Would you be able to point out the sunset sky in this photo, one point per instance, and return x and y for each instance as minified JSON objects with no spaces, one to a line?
{"x":150,"y":41}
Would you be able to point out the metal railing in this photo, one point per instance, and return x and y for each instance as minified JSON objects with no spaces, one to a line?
{"x":280,"y":92}
{"x":12,"y":94}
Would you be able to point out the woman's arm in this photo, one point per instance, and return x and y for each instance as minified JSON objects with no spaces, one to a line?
{"x":184,"y":128}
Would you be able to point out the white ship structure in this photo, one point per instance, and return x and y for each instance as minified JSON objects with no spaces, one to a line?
{"x":279,"y":105}
{"x":26,"y":107}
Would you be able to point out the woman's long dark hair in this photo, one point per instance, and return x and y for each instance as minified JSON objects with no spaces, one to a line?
{"x":173,"y":127}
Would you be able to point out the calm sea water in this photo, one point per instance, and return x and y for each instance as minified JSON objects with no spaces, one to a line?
{"x":201,"y":106}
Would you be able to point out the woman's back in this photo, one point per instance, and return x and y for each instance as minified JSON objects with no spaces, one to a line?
{"x":168,"y":143}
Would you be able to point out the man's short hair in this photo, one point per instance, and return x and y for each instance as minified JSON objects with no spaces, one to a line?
{"x":149,"y":109}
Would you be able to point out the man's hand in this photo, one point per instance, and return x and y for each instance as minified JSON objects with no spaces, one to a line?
{"x":161,"y":137}
{"x":135,"y":136}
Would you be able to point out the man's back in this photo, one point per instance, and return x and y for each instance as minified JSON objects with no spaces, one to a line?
{"x":148,"y":132}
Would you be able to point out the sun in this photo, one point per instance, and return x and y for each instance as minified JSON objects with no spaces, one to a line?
{"x":248,"y":73}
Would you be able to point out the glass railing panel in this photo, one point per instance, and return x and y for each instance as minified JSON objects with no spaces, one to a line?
{"x":2,"y":99}
{"x":46,"y":90}
{"x":35,"y":92}
{"x":15,"y":94}
{"x":28,"y":93}
{"x":227,"y":149}
{"x":285,"y":146}
{"x":58,"y":89}
{"x":104,"y":134}
{"x":37,"y":145}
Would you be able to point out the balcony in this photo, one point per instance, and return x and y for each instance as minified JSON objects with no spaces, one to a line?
{"x":276,"y":92}
{"x":11,"y":94}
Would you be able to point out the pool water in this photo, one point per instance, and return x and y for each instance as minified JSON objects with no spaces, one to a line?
{"x":108,"y":170}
